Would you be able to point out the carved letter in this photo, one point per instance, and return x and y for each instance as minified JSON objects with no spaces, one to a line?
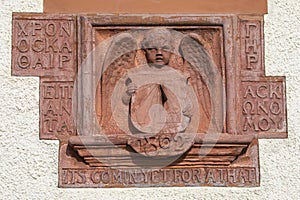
{"x":248,"y":29}
{"x":50,"y":29}
{"x":260,"y":93}
{"x":105,"y":177}
{"x":23,"y":46}
{"x":66,"y":45}
{"x":186,"y":175}
{"x":263,"y":124}
{"x":37,"y":26}
{"x":231,"y":174}
{"x":251,"y":44}
{"x":95,"y":177}
{"x":22,"y":29}
{"x":274,"y":90}
{"x":209,"y":176}
{"x":63,"y":59}
{"x":261,"y":106}
{"x":51,"y":43}
{"x":275,"y":108}
{"x":250,"y":92}
{"x":248,"y":108}
{"x":38,"y":45}
{"x":65,"y":27}
{"x":23,"y":62}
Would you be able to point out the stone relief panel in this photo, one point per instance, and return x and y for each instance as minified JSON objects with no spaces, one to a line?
{"x":138,"y":69}
{"x":139,"y":101}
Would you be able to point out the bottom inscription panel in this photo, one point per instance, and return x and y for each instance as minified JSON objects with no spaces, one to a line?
{"x":210,"y":176}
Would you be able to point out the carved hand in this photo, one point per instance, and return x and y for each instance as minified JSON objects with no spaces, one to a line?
{"x":131,"y":88}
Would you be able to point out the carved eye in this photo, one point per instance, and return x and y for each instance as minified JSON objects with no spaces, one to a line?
{"x":166,"y":48}
{"x":152,"y":49}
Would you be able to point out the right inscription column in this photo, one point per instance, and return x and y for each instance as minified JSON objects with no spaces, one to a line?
{"x":262,"y":99}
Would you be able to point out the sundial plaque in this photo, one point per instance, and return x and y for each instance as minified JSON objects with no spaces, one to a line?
{"x":151,"y":100}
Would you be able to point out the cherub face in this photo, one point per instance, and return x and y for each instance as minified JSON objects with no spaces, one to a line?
{"x":157,"y":45}
{"x":158,"y":55}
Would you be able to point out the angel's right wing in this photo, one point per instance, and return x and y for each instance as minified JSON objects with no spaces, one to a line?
{"x":119,"y":58}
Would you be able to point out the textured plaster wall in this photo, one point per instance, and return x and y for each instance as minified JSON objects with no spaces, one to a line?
{"x":29,"y":165}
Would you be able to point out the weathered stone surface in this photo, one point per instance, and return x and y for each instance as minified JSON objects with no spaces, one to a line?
{"x":44,"y":45}
{"x":134,"y":104}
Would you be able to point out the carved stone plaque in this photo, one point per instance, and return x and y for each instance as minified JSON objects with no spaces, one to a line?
{"x":152,"y":100}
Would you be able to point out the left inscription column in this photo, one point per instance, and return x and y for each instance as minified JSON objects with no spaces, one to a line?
{"x":45,"y":46}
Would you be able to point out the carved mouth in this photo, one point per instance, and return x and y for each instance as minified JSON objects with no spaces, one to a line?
{"x":159,"y":59}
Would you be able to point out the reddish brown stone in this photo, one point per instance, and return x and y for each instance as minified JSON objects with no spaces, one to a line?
{"x":178,"y":104}
{"x":257,"y":7}
{"x":264,"y":107}
{"x":44,"y":45}
{"x":56,"y":116}
{"x":251,"y":42}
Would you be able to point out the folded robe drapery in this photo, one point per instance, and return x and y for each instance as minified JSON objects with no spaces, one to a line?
{"x":155,"y":108}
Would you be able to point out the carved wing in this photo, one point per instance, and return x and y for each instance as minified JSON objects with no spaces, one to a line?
{"x":207,"y":82}
{"x":119,"y":58}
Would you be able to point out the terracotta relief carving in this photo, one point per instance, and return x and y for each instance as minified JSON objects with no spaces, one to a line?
{"x":141,"y":101}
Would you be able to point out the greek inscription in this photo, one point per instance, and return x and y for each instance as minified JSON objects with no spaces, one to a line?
{"x":57,"y":107}
{"x":50,"y":28}
{"x":57,"y":91}
{"x":251,"y":46}
{"x":262,"y":107}
{"x":43,"y":61}
{"x":44,"y":45}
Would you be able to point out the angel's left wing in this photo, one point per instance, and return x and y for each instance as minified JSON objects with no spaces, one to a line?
{"x":194,"y":52}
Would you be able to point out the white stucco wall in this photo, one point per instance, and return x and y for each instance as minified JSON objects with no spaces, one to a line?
{"x":28,"y":166}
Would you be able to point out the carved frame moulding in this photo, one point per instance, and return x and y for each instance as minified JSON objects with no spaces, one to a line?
{"x":152,"y":100}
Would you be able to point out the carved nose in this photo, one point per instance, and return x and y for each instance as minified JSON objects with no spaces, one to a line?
{"x":159,"y":51}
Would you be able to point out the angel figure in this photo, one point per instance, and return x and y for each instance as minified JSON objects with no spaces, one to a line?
{"x":157,"y":94}
{"x":177,"y":89}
